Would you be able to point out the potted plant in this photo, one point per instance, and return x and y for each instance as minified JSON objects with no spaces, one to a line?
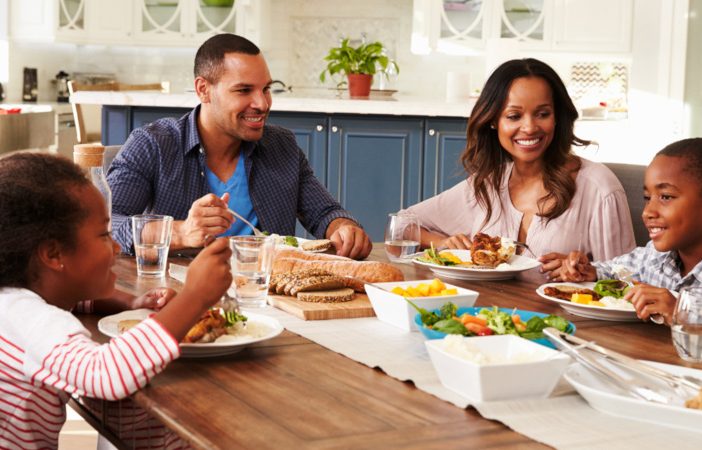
{"x":358,"y":64}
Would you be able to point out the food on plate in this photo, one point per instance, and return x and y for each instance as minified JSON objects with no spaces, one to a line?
{"x":435,"y":288}
{"x":290,"y":240}
{"x":695,"y":402}
{"x":317,"y":245}
{"x":490,"y":251}
{"x":213,"y":324}
{"x":566,"y":292}
{"x":487,"y":322}
{"x":486,"y":252}
{"x":125,"y":325}
{"x":328,"y":296}
{"x":355,"y":273}
{"x":611,"y":288}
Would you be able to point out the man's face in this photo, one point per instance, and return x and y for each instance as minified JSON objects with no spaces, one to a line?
{"x":238,"y":103}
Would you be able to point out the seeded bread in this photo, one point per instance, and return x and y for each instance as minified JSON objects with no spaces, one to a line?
{"x":331,"y":296}
{"x":317,"y":245}
{"x":317,"y":283}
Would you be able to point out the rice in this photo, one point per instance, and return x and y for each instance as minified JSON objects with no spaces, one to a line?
{"x":617,"y":303}
{"x":245,"y":331}
{"x":458,"y":346}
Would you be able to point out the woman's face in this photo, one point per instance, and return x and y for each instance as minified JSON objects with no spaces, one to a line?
{"x":87,"y":267}
{"x":527,"y":123}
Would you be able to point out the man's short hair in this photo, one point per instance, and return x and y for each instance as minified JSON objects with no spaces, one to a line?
{"x":210,"y":55}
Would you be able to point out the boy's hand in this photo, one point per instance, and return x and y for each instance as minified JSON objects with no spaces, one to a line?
{"x":576,"y":267}
{"x":649,"y":300}
{"x":153,"y":299}
{"x":209,"y":275}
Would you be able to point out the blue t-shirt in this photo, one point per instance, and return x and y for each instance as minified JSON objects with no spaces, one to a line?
{"x":239,"y":199}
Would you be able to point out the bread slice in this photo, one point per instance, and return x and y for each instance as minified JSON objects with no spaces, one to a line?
{"x":317,"y":283}
{"x":317,"y":245}
{"x":331,"y":296}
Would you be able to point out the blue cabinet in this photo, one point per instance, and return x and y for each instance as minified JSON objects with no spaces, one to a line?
{"x":375,"y":167}
{"x":444,"y":141}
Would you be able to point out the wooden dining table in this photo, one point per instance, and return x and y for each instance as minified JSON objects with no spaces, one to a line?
{"x":289,"y":392}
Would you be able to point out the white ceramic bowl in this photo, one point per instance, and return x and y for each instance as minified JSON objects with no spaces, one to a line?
{"x":394,"y":309}
{"x":501,"y":381}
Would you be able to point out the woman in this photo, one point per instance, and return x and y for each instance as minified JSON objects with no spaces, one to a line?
{"x":525,"y":183}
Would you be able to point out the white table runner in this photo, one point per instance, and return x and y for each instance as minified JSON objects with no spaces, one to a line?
{"x":564,"y":420}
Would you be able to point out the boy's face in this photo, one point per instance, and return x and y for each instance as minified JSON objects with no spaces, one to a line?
{"x":673,"y":205}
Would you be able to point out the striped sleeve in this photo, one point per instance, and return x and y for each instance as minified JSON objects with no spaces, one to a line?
{"x":110,"y":371}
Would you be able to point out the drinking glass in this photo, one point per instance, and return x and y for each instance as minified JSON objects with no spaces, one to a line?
{"x":401,"y":236}
{"x":252,"y":261}
{"x":687,"y":324}
{"x":152,"y":237}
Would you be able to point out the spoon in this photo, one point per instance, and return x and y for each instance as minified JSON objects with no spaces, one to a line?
{"x":256,"y":231}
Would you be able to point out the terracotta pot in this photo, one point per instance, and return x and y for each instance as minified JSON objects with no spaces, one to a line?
{"x":359,"y":84}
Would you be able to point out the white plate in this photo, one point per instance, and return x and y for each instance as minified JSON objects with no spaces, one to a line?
{"x":225,"y":345}
{"x":300,"y":241}
{"x":608,"y":399}
{"x":518,"y":263}
{"x":589,"y":311}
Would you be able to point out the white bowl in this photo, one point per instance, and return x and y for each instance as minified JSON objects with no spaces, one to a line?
{"x":500,"y":381}
{"x":395,"y":310}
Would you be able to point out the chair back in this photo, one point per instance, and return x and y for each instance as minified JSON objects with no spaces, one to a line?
{"x":78,"y":116}
{"x":632,"y":178}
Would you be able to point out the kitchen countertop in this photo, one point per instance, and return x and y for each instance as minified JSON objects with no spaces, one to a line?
{"x":58,"y":108}
{"x":301,"y":100}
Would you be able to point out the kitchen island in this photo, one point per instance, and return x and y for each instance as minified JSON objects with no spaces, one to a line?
{"x":375,"y":155}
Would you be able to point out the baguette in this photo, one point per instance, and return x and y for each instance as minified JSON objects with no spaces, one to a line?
{"x":356,"y":272}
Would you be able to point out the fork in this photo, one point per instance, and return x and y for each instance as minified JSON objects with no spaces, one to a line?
{"x":256,"y":231}
{"x":525,"y":247}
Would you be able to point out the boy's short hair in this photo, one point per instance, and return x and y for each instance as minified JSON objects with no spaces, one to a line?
{"x":210,"y":55}
{"x":691,"y":150}
{"x":37,"y":203}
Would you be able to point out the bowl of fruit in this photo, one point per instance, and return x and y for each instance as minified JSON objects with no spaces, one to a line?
{"x":390,"y":303}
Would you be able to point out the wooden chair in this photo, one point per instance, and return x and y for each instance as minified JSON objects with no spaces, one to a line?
{"x":78,"y":117}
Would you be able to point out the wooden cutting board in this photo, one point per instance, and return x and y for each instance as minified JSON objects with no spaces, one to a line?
{"x":360,"y":306}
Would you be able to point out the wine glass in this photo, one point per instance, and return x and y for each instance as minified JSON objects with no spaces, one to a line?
{"x":401,"y":236}
{"x":687,"y":324}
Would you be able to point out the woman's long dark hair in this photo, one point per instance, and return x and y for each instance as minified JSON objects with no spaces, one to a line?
{"x":484,"y":158}
{"x":37,"y":203}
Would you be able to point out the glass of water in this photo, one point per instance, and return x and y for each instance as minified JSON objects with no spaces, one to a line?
{"x":401,"y":236}
{"x":687,"y":325}
{"x":152,"y":237}
{"x":252,"y":261}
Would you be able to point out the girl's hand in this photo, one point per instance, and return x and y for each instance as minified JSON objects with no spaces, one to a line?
{"x":649,"y":300}
{"x":576,"y":267}
{"x":153,"y":299}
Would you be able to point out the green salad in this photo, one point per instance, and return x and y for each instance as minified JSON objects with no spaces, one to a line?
{"x":611,"y":288}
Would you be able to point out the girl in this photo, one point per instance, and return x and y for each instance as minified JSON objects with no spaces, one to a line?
{"x":57,"y":251}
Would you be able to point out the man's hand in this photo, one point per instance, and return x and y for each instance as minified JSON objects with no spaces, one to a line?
{"x":208,"y":216}
{"x":649,"y":300}
{"x":349,"y":239}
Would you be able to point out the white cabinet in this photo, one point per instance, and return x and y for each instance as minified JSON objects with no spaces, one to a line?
{"x":183,"y":23}
{"x":464,"y":26}
{"x":189,"y":22}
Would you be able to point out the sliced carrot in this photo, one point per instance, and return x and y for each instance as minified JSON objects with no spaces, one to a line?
{"x":467,"y":318}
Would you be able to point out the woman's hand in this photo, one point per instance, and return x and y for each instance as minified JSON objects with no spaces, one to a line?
{"x":551,"y":265}
{"x":153,"y":299}
{"x":575,"y":267}
{"x":649,"y":300}
{"x":457,"y":242}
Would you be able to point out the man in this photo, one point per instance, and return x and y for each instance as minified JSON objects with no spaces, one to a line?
{"x":223,"y":156}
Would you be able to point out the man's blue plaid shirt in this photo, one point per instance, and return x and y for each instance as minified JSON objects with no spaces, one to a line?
{"x":161,"y":170}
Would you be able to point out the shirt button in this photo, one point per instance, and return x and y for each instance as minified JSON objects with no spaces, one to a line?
{"x":202,"y":174}
{"x":201,"y":151}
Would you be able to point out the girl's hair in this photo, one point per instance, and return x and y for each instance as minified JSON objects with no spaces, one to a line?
{"x":691,"y":150}
{"x":484,"y":158}
{"x":37,"y":203}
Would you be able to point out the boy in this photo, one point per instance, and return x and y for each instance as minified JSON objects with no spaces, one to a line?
{"x":673,"y":216}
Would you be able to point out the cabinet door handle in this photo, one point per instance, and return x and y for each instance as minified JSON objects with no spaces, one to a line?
{"x":320,"y":127}
{"x":335,"y":129}
{"x":432,"y":132}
